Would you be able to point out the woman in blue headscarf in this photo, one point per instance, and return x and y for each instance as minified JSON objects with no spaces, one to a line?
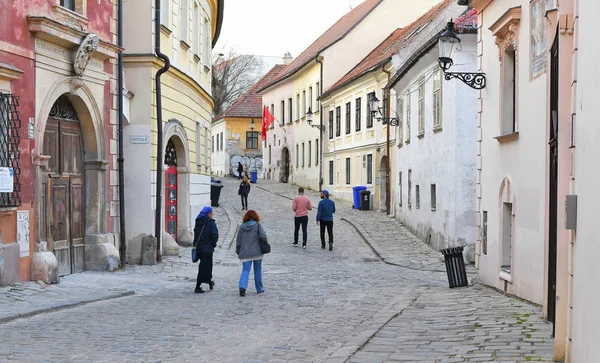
{"x":206,"y":236}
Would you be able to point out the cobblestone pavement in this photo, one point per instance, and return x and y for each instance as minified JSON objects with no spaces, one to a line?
{"x":379,"y":295}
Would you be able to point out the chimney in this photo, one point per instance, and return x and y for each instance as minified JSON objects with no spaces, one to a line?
{"x":287,"y":58}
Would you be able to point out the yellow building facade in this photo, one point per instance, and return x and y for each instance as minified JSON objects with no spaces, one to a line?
{"x":188,"y":31}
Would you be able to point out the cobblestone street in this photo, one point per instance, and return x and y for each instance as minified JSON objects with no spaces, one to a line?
{"x":380,"y":295}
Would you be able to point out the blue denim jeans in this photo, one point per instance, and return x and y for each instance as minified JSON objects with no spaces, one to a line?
{"x":257,"y":275}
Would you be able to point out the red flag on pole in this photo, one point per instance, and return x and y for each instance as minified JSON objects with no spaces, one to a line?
{"x":266,"y":122}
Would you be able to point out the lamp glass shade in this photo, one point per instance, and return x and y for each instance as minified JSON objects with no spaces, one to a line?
{"x":252,"y":124}
{"x":309,"y":116}
{"x":447,"y":41}
{"x":373,"y":103}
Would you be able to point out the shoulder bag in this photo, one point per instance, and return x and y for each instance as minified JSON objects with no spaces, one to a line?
{"x":194,"y":251}
{"x":265,"y":247}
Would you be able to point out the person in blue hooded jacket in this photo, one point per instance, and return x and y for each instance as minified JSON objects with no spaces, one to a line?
{"x":325,"y":218}
{"x":206,"y":236}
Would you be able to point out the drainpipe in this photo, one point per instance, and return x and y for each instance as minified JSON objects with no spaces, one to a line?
{"x":387,"y":142}
{"x":159,"y":130}
{"x":121,"y":160}
{"x":320,"y":125}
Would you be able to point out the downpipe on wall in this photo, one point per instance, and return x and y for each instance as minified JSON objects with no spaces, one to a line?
{"x":320,"y":124}
{"x":159,"y":130}
{"x":121,"y":159}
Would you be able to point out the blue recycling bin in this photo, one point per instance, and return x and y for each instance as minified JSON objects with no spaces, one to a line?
{"x":356,"y":193}
{"x":253,"y":175}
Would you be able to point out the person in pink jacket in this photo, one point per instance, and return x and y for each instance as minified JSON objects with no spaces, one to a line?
{"x":301,"y":205}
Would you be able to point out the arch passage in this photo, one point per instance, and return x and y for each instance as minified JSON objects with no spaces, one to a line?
{"x":171,"y":187}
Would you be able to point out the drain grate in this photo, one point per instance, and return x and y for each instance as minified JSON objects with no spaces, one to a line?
{"x":367,"y":259}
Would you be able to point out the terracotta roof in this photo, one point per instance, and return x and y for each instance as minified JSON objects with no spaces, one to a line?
{"x":337,"y":31}
{"x":249,"y":104}
{"x":390,"y":46}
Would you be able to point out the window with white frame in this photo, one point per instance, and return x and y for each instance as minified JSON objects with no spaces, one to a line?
{"x":421,"y":110}
{"x":212,"y":144}
{"x":206,"y":158}
{"x":509,"y":125}
{"x":304,"y":109}
{"x":330,"y":172}
{"x":400,"y":112}
{"x":330,"y":124}
{"x":437,"y":99}
{"x":369,"y":111}
{"x":282,"y":112}
{"x":433,"y":197}
{"x":207,"y":38}
{"x":309,"y":152}
{"x":317,"y":152}
{"x":400,"y":188}
{"x":417,"y":197}
{"x":310,"y":99}
{"x":68,"y":4}
{"x":357,"y":114}
{"x":196,"y":29}
{"x":348,"y":121}
{"x":297,"y":156}
{"x":165,"y":12}
{"x":269,"y":154}
{"x":409,"y":188}
{"x":251,"y":139}
{"x":184,"y":21}
{"x":338,"y":120}
{"x":347,"y":171}
{"x":303,"y":153}
{"x":408,"y":119}
{"x":298,"y":106}
{"x":369,"y":168}
{"x":290,"y":110}
{"x":198,"y":144}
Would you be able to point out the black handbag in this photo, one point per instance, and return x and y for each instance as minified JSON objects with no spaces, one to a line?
{"x":194,"y":251}
{"x":265,"y":247}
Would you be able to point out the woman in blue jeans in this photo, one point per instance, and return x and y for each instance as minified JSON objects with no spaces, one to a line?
{"x":248,"y":250}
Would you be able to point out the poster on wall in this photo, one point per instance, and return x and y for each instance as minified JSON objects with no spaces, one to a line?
{"x":538,"y":37}
{"x":23,"y":232}
{"x":6,"y":180}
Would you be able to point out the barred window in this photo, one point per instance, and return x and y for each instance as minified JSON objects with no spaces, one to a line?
{"x":369,"y":168}
{"x":338,"y":121}
{"x":347,"y":170}
{"x":358,"y":114}
{"x":330,"y":172}
{"x":331,"y":124}
{"x":348,"y":107}
{"x":10,"y":125}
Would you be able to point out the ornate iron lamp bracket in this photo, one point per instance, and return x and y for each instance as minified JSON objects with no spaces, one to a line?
{"x":473,"y":80}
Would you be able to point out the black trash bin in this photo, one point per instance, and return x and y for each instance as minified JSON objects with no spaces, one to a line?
{"x":455,"y":266}
{"x":365,"y":200}
{"x":215,"y":192}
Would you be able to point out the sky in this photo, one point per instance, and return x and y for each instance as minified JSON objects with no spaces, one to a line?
{"x":273,"y":27}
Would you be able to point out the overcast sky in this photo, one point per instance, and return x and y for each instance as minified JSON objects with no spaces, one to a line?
{"x":273,"y":27}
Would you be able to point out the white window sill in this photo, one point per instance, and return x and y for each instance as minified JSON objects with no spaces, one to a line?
{"x":506,"y":276}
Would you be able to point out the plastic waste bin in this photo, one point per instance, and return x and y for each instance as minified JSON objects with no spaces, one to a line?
{"x":455,"y":266}
{"x":253,"y":176}
{"x":365,"y":199}
{"x":215,"y":193}
{"x":356,"y":193}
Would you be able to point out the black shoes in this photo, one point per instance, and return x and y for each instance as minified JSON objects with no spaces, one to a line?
{"x":330,"y":246}
{"x":304,"y":246}
{"x":323,"y":245}
{"x":242,"y":292}
{"x":198,"y":290}
{"x":211,"y":284}
{"x":295,"y":244}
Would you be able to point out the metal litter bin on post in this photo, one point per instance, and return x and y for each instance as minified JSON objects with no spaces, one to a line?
{"x":455,"y":266}
{"x":215,"y":193}
{"x":365,"y":199}
{"x":356,"y":194}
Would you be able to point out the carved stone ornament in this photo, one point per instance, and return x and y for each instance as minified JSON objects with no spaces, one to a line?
{"x":510,"y":39}
{"x":84,"y":53}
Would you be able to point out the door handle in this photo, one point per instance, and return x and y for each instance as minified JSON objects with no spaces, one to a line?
{"x":52,"y":229}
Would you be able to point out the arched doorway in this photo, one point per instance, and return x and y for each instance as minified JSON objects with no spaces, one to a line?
{"x":285,"y":165}
{"x":171,"y":189}
{"x":63,"y":191}
{"x":383,"y":183}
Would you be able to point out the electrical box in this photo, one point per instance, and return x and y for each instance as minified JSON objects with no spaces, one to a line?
{"x":571,"y":212}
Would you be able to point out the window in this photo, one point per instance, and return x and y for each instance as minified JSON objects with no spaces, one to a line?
{"x":272,"y":109}
{"x":251,"y":139}
{"x":369,"y":168}
{"x":400,"y":111}
{"x":297,"y":106}
{"x":218,"y":142}
{"x":330,"y":172}
{"x":269,"y":154}
{"x":318,"y":87}
{"x":348,"y":108}
{"x":9,"y":146}
{"x":310,"y":98}
{"x":400,"y":188}
{"x":206,"y":163}
{"x":212,"y":144}
{"x":198,"y":144}
{"x":290,"y":110}
{"x":165,"y":6}
{"x":303,"y":153}
{"x":408,"y":119}
{"x":369,"y":114}
{"x":484,"y":233}
{"x":417,"y":197}
{"x":297,"y":156}
{"x":222,"y":144}
{"x":421,"y":110}
{"x":68,"y":4}
{"x":304,"y":109}
{"x":338,"y":121}
{"x":309,"y":152}
{"x":331,"y":124}
{"x":506,"y":237}
{"x":347,"y":170}
{"x":357,"y":115}
{"x":282,"y":112}
{"x":196,"y":24}
{"x":409,"y":187}
{"x":509,"y":92}
{"x":317,"y":152}
{"x":185,"y":20}
{"x":433,"y":197}
{"x":437,"y":100}
{"x":207,"y":36}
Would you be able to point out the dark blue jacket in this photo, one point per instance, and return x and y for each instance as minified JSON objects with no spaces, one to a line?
{"x":244,"y":188}
{"x":326,"y":210}
{"x":206,"y":242}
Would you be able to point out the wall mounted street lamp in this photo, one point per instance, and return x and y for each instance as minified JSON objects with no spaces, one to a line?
{"x":309,"y":119}
{"x":446,"y":43}
{"x":252,"y":125}
{"x":378,"y":112}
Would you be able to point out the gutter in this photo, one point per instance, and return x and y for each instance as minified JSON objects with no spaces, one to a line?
{"x":320,"y":124}
{"x":121,"y":159}
{"x":387,"y":143}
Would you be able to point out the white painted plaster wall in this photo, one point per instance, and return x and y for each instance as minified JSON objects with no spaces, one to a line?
{"x":445,"y":158}
{"x":219,"y":160}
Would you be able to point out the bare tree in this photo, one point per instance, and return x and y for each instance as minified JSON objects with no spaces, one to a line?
{"x":232,"y":75}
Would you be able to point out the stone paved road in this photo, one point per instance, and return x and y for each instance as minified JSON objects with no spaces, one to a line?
{"x":343,"y":305}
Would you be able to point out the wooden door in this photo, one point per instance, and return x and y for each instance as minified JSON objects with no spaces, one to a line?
{"x":59,"y":223}
{"x":171,"y":202}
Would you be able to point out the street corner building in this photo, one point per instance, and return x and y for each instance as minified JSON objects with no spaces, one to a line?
{"x":57,"y":123}
{"x":188,"y":31}
{"x":235,"y":134}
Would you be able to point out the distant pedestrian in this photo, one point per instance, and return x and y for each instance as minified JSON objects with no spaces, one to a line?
{"x":325,"y":218}
{"x":240,"y":170}
{"x":243,"y":192}
{"x":301,"y":205}
{"x":206,"y":236}
{"x":247,"y":247}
